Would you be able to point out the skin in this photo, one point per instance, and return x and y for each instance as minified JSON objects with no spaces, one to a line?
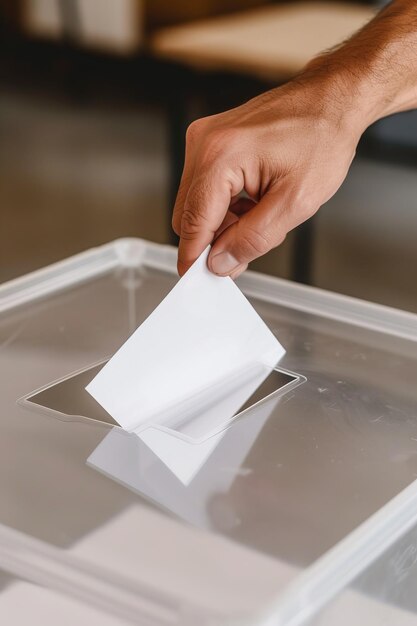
{"x":290,"y":148}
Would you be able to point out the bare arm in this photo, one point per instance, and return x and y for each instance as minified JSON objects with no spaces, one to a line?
{"x":290,"y":148}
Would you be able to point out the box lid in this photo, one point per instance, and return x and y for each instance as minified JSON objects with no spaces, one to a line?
{"x":301,"y":493}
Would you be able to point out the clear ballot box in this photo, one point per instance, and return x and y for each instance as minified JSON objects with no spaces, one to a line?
{"x":304,"y":508}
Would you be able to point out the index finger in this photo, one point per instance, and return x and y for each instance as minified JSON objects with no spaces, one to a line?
{"x":205,"y":208}
{"x":186,"y":178}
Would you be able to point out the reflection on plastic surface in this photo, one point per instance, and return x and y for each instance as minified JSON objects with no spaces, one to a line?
{"x":25,"y":602}
{"x":202,"y":342}
{"x":69,"y":398}
{"x":129,"y":460}
{"x":181,"y":444}
{"x":185,"y":456}
{"x":385,"y":593}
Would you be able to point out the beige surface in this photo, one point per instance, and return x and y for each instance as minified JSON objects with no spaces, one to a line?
{"x":160,"y":13}
{"x":270,"y":43}
{"x":111,"y":25}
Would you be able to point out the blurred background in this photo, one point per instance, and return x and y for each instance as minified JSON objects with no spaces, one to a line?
{"x":95,"y":97}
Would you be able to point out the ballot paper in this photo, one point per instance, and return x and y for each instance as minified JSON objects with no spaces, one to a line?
{"x":189,"y":366}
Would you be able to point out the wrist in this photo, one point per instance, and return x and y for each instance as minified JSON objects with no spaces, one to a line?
{"x":373,"y":74}
{"x":337,"y":96}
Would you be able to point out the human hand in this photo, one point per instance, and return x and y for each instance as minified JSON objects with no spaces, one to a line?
{"x":288,"y":149}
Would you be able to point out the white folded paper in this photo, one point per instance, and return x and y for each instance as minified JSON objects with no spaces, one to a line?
{"x":191,"y":364}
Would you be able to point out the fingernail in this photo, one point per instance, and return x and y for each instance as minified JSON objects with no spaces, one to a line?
{"x":223,"y":263}
{"x":237,"y":272}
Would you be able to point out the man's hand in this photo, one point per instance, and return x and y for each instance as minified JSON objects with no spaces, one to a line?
{"x":289,"y":149}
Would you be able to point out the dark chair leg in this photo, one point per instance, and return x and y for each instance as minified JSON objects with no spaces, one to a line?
{"x":303,"y":251}
{"x":177,"y":126}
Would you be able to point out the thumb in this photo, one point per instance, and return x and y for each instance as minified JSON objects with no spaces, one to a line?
{"x":254,"y":234}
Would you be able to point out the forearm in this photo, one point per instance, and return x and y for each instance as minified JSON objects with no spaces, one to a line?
{"x":374,"y":73}
{"x":290,"y":148}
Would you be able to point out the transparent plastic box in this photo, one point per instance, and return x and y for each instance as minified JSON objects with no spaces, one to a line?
{"x":384,"y":594}
{"x":305,"y":492}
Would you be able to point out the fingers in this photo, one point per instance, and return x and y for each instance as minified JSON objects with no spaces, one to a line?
{"x":180,"y":199}
{"x":256,"y":232}
{"x":185,"y":183}
{"x":229,"y":219}
{"x":239,"y":206}
{"x":238,"y":272}
{"x":205,"y":208}
{"x":208,"y":184}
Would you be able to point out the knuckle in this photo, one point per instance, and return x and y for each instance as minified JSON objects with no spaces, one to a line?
{"x":300,"y":196}
{"x":218,"y":143}
{"x":222,"y":138}
{"x":306,"y":211}
{"x":191,"y":222}
{"x":194,"y":129}
{"x":253,"y":243}
{"x":304,"y":204}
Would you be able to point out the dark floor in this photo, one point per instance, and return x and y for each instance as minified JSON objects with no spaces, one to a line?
{"x":74,"y":177}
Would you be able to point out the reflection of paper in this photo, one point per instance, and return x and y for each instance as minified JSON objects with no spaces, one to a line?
{"x":124,"y":457}
{"x":202,"y":334}
{"x":185,"y":459}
